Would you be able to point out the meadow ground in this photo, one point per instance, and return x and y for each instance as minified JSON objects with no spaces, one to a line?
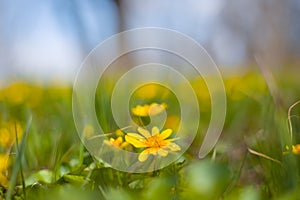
{"x":257,"y":156}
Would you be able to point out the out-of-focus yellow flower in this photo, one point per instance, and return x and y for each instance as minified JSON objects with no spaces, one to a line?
{"x":201,"y":90}
{"x":251,"y":85}
{"x":233,"y":87}
{"x":154,"y":142}
{"x":148,"y":91}
{"x":119,"y":133}
{"x":9,"y":132}
{"x":172,"y":122}
{"x":6,"y":138}
{"x":151,"y":91}
{"x":3,"y":181}
{"x":119,"y":143}
{"x":146,"y":110}
{"x":20,"y":92}
{"x":4,"y":164}
{"x":16,"y":93}
{"x":295,"y":149}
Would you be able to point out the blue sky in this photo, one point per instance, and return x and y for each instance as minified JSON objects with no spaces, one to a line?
{"x":51,"y":38}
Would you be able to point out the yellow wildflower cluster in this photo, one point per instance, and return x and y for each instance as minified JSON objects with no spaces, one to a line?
{"x":152,"y":142}
{"x":118,"y":142}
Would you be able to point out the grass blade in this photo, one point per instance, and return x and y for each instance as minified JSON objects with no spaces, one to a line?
{"x":18,"y":161}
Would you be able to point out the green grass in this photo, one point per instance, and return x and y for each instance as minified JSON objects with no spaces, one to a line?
{"x":50,"y":162}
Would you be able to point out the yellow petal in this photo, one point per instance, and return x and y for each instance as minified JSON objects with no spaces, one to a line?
{"x":287,"y":147}
{"x":143,"y":156}
{"x":120,"y":139}
{"x":140,"y":110}
{"x":111,"y":140}
{"x":119,"y":132}
{"x":164,"y":105}
{"x":165,"y":134}
{"x":156,"y":108}
{"x":155,"y":131}
{"x":174,"y":147}
{"x":162,"y":152}
{"x":172,"y":139}
{"x":296,"y":149}
{"x":144,"y":132}
{"x":135,"y":135}
{"x":124,"y":144}
{"x":4,"y":162}
{"x":136,"y":143}
{"x":152,"y":151}
{"x":107,"y":142}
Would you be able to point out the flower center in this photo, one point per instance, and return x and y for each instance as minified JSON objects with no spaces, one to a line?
{"x":156,"y":142}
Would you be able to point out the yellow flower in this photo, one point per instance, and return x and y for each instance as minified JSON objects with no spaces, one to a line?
{"x":172,"y":122}
{"x":155,"y":143}
{"x":295,"y":149}
{"x":116,"y":142}
{"x":151,"y":91}
{"x":4,"y":164}
{"x":3,"y":180}
{"x":252,"y":85}
{"x":119,"y":133}
{"x":16,"y":93}
{"x":148,"y":91}
{"x":8,"y":134}
{"x":6,"y":138}
{"x":145,"y":110}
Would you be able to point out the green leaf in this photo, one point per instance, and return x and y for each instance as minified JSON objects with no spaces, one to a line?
{"x":44,"y":176}
{"x":75,"y":179}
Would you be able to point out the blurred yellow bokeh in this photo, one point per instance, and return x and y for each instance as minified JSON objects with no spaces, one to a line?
{"x":8,"y":132}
